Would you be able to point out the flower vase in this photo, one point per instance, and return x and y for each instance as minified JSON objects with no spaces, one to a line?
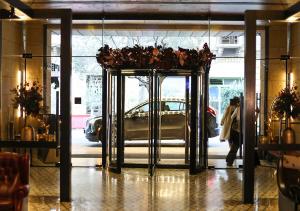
{"x":288,"y":135}
{"x":27,"y":134}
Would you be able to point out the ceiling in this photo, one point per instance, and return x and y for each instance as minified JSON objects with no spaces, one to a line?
{"x":155,"y":9}
{"x":162,"y":6}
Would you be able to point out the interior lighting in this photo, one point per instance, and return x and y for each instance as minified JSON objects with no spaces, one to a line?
{"x":292,"y":19}
{"x":19,"y":81}
{"x":23,"y":17}
{"x":19,"y":73}
{"x":17,"y":14}
{"x":20,"y":77}
{"x":291,"y":78}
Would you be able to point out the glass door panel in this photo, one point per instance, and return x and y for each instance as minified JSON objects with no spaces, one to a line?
{"x":112,"y":120}
{"x":201,"y":122}
{"x":136,"y":120}
{"x":157,"y":119}
{"x":174,"y":120}
{"x":152,"y":100}
{"x":198,"y":114}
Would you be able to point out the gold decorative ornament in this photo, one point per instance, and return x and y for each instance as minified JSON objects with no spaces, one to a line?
{"x":27,"y":134}
{"x":263,"y":139}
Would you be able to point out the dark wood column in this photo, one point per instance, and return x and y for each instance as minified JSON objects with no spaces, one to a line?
{"x":104,"y":117}
{"x":249,"y":96}
{"x":65,"y":15}
{"x":193,"y":123}
{"x":266,"y":77}
{"x":249,"y":107}
{"x":65,"y":106}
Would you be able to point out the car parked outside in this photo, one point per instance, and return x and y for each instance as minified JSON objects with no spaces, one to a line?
{"x":136,"y":122}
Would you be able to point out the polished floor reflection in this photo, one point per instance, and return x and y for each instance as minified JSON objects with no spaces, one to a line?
{"x":94,"y":189}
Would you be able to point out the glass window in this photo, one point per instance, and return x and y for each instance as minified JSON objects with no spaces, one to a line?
{"x":229,"y":40}
{"x":172,"y":106}
{"x":182,"y":107}
{"x":144,"y":108}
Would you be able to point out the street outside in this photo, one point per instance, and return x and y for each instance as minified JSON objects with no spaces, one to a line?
{"x":85,"y":153}
{"x":81,"y":146}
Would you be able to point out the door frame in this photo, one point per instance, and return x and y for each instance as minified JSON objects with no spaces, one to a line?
{"x":198,"y":107}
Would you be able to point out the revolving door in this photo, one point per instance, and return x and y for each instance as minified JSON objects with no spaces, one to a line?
{"x":146,"y":135}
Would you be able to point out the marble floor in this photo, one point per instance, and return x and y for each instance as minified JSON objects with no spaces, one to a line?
{"x":169,"y":189}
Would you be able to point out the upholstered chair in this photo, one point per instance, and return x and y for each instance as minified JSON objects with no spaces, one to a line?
{"x":288,"y":180}
{"x":14,"y":181}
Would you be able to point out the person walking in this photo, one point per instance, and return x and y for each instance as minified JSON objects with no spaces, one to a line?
{"x":226,"y":121}
{"x":234,"y":135}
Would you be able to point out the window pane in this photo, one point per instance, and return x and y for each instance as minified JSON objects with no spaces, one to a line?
{"x":182,"y":106}
{"x":144,"y":108}
{"x":172,"y":106}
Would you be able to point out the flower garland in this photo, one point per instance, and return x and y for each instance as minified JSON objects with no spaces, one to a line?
{"x":138,"y":57}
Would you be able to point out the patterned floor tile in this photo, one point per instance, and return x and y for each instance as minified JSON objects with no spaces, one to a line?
{"x":133,"y":189}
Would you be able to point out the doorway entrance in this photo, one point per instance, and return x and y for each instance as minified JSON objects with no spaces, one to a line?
{"x":160,"y":132}
{"x":173,"y":129}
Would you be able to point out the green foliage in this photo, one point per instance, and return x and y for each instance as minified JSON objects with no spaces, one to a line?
{"x":28,"y":97}
{"x":287,"y":102}
{"x":227,"y":93}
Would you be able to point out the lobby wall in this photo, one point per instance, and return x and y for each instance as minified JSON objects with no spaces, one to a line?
{"x":278,"y":45}
{"x":11,"y":63}
{"x":34,"y":45}
{"x":18,"y":38}
{"x":295,"y":66}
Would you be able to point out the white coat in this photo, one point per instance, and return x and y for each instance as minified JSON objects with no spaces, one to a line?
{"x":236,"y":114}
{"x":226,"y":123}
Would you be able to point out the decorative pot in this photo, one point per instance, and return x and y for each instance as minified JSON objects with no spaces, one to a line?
{"x":274,"y":140}
{"x":288,"y":136}
{"x":263,"y":139}
{"x":27,"y":134}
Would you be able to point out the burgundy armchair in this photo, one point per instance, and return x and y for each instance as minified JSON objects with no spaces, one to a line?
{"x":288,"y":181}
{"x":14,"y":180}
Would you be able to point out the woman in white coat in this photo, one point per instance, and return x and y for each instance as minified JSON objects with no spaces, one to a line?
{"x":226,"y":121}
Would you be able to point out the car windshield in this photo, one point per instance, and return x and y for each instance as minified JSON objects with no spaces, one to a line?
{"x":165,"y":105}
{"x":144,"y":108}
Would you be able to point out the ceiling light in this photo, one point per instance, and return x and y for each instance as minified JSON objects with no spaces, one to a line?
{"x":292,"y":19}
{"x":21,"y":15}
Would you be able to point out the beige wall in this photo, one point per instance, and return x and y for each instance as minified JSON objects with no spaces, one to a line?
{"x":295,"y":66}
{"x":14,"y":44}
{"x":295,"y":52}
{"x":277,"y":80}
{"x":277,"y":47}
{"x":11,"y":63}
{"x":276,"y":73}
{"x":34,"y":45}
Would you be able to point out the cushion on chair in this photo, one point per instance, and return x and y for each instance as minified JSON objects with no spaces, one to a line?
{"x":14,"y":180}
{"x":288,"y":180}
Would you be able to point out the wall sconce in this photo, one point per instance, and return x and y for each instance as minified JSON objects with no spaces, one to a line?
{"x":12,"y":13}
{"x":287,"y":73}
